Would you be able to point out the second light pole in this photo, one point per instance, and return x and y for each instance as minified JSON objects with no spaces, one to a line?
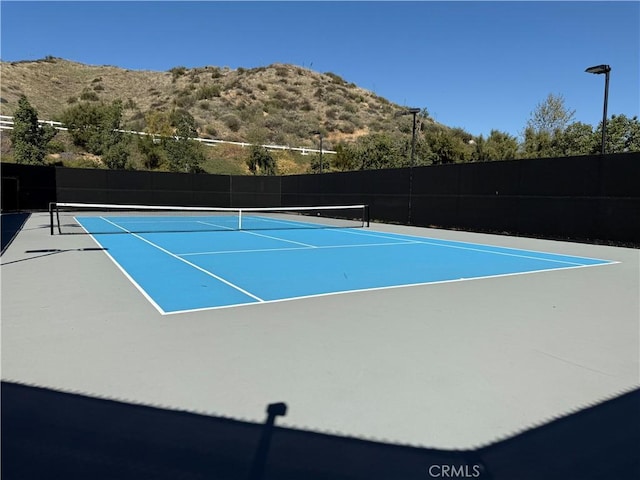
{"x":414,"y":112}
{"x":599,"y":69}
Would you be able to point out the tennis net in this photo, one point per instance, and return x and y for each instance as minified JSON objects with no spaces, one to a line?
{"x":93,"y":218}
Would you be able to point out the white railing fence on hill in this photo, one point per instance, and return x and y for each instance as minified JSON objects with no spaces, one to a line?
{"x":6,"y":123}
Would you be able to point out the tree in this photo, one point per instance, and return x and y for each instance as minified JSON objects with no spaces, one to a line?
{"x":378,"y":151}
{"x":373,"y":151}
{"x":314,"y":164}
{"x":542,"y":135}
{"x":151,"y":150}
{"x":29,"y":138}
{"x":97,"y":128}
{"x":261,"y":161}
{"x":115,"y":152}
{"x":158,"y":123}
{"x":501,"y":146}
{"x":550,"y":116}
{"x":577,"y":139}
{"x":623,"y":134}
{"x":537,"y":144}
{"x":447,"y":146}
{"x":183,"y":153}
{"x":84,"y":123}
{"x":183,"y":123}
{"x":424,"y":155}
{"x":345,"y":158}
{"x":479,"y":153}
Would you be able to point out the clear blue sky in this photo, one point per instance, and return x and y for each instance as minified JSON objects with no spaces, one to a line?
{"x":475,"y":65}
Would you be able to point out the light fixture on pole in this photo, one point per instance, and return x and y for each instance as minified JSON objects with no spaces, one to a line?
{"x":318,"y":132}
{"x":600,"y":69}
{"x":414,"y":112}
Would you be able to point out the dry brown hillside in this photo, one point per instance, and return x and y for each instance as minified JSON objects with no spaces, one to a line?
{"x":277,"y":104}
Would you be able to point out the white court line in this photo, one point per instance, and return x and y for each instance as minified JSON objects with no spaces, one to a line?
{"x":311,"y":247}
{"x":263,"y":235}
{"x":504,"y":253}
{"x":426,"y":242}
{"x":215,"y":225}
{"x":126,"y":274}
{"x":308,"y":245}
{"x":406,"y":235}
{"x":419,"y":240}
{"x":389,"y":287}
{"x":240,"y":289}
{"x":384,"y":235}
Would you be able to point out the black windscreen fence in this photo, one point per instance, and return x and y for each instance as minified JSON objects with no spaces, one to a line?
{"x":210,"y":190}
{"x":255,"y":191}
{"x":584,"y":198}
{"x":27,"y":187}
{"x":587,"y":198}
{"x":386,"y":192}
{"x":164,"y":188}
{"x":142,"y":188}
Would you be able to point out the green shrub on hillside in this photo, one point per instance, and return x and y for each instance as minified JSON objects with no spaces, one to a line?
{"x":209,"y":91}
{"x":89,"y":96}
{"x":232,"y":122}
{"x":177,"y":72}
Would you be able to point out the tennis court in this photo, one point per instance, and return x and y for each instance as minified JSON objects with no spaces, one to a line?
{"x":183,"y":260}
{"x":400,"y":335}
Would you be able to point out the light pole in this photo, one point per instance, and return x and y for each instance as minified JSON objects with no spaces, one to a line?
{"x":318,"y":132}
{"x":414,"y":112}
{"x":599,"y":69}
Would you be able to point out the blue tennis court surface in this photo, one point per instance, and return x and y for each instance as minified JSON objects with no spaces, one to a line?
{"x":194,"y":270}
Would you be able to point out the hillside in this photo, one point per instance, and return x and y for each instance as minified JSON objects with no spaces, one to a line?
{"x":277,"y":104}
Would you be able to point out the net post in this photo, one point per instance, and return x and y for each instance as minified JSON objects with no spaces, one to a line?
{"x":366,"y":216}
{"x":51,"y":217}
{"x":58,"y":219}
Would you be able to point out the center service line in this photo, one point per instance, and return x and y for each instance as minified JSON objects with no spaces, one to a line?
{"x":261,"y":235}
{"x":185,"y":261}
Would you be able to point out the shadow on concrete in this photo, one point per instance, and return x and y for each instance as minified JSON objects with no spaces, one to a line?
{"x":49,"y":434}
{"x":53,"y":251}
